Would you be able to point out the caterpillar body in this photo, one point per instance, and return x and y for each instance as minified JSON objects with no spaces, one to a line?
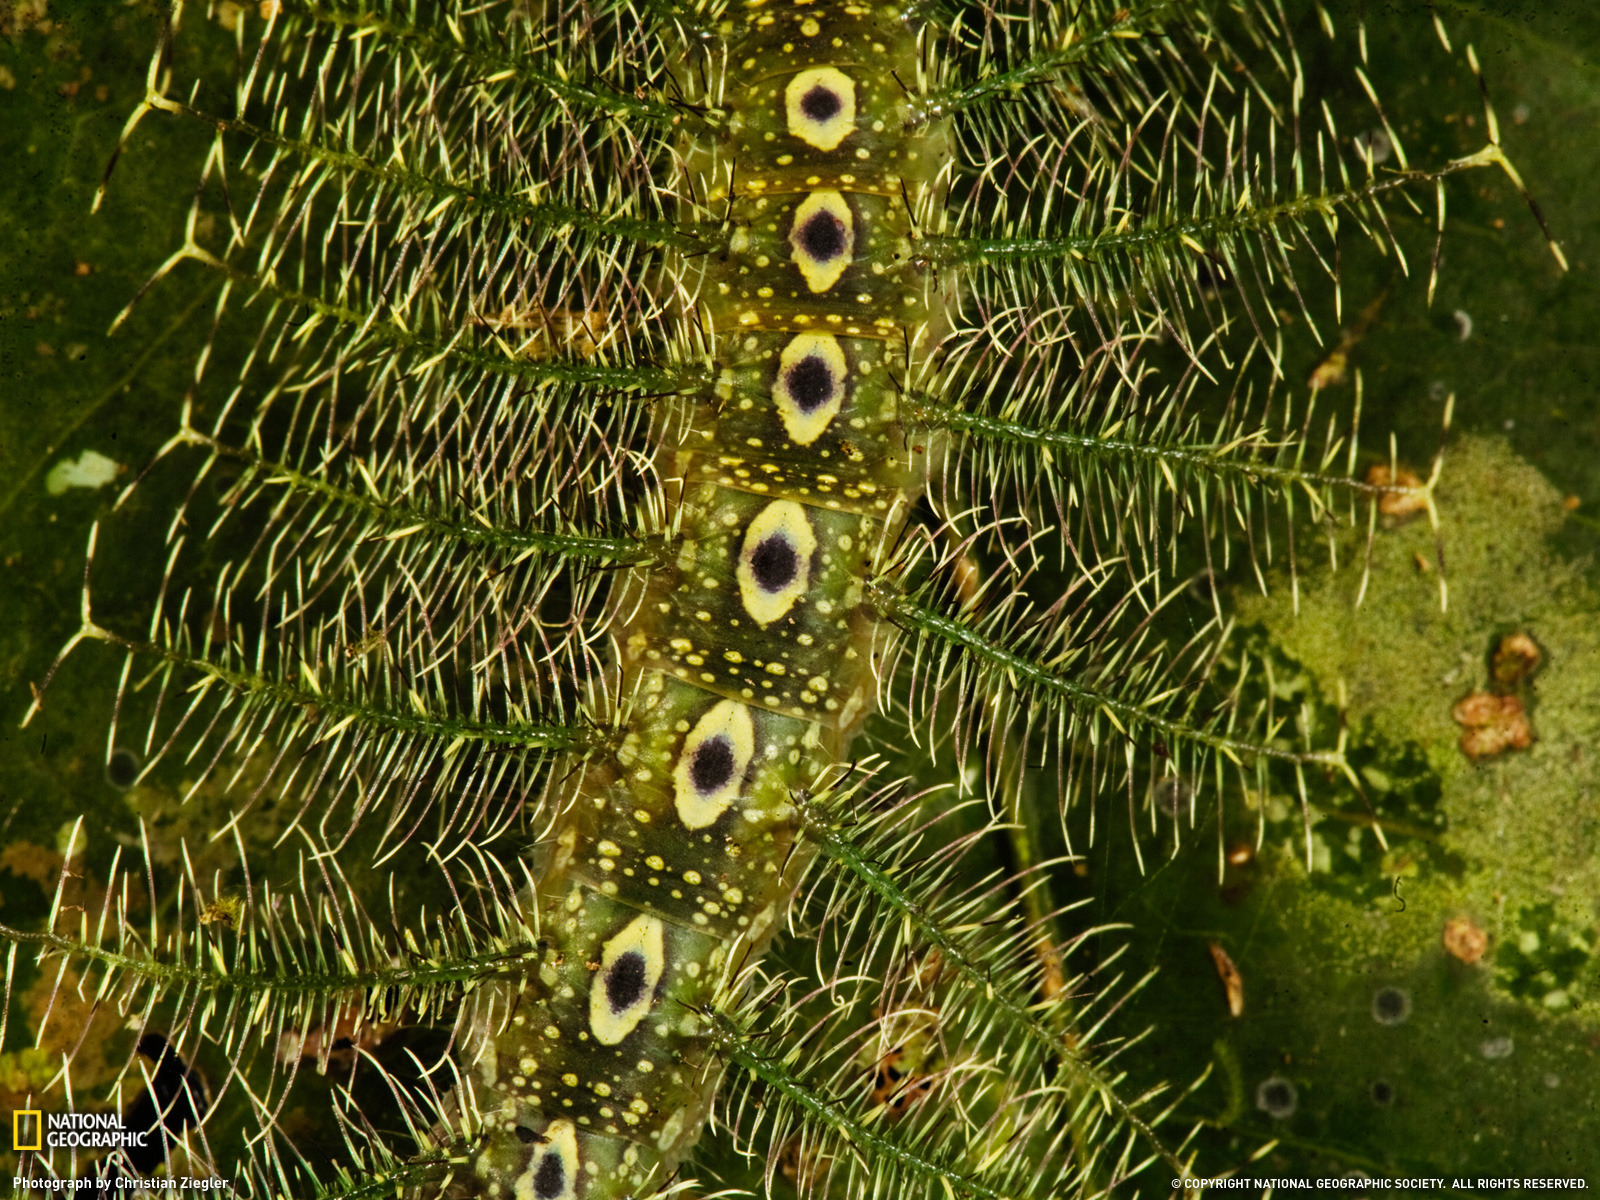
{"x":747,"y":654}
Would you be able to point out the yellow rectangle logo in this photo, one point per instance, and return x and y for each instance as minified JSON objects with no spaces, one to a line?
{"x":27,"y":1129}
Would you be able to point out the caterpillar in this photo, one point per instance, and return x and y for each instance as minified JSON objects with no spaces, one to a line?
{"x":640,"y":399}
{"x":746,"y":655}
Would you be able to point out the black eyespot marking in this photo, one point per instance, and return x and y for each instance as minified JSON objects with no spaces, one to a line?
{"x":550,"y":1180}
{"x":819,"y":107}
{"x":625,"y":982}
{"x":712,"y":765}
{"x":622,"y":992}
{"x":820,"y":104}
{"x":527,"y":1136}
{"x":810,"y":383}
{"x":774,"y":564}
{"x":823,"y":237}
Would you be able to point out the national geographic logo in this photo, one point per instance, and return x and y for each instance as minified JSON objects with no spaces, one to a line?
{"x":32,"y":1129}
{"x":27,"y":1129}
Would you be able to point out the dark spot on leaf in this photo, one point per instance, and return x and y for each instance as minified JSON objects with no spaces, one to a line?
{"x":171,"y":1103}
{"x":1277,"y":1098}
{"x":122,"y":768}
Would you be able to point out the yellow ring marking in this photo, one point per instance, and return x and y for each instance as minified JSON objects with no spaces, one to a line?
{"x":775,"y":563}
{"x":624,"y":988}
{"x":711,"y":767}
{"x":823,"y":221}
{"x":821,"y":107}
{"x":805,"y":366}
{"x":552,"y":1172}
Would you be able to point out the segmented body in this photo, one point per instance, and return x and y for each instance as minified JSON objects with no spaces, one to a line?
{"x":747,"y":659}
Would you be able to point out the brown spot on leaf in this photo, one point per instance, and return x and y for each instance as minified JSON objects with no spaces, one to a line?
{"x":1515,"y":659}
{"x":1464,"y":940}
{"x":895,"y":1087}
{"x":1493,"y":724}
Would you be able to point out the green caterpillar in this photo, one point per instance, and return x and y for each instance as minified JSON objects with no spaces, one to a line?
{"x":747,"y":656}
